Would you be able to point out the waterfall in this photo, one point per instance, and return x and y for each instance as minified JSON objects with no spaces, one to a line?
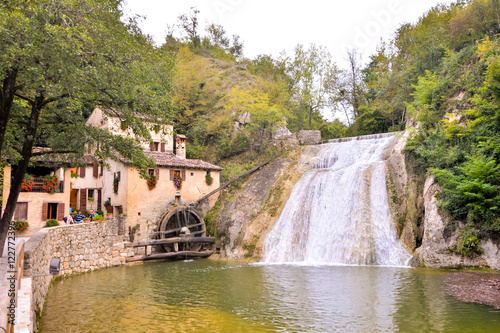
{"x":338,"y":212}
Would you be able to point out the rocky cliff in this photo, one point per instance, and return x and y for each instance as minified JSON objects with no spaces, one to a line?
{"x":246,"y":217}
{"x":423,"y":227}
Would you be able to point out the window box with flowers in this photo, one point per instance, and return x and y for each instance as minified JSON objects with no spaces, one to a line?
{"x":208,"y":179}
{"x":21,"y":225}
{"x":151,"y":181}
{"x":50,"y":184}
{"x":116,"y":182}
{"x":27,"y":184}
{"x":178,"y":182}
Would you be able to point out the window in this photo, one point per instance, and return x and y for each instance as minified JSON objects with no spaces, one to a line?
{"x":90,"y":195}
{"x":151,"y":172}
{"x":21,"y":212}
{"x":177,"y":173}
{"x":52,"y":211}
{"x":155,"y":146}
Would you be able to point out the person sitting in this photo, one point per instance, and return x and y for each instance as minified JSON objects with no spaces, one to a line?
{"x":78,"y":218}
{"x":69,"y":219}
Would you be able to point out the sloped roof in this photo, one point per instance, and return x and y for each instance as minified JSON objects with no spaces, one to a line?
{"x":171,"y":160}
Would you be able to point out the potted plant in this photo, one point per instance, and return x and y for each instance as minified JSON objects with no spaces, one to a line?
{"x":51,"y":223}
{"x":109,"y":208}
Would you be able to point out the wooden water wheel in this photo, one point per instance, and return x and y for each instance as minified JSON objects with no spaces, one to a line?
{"x":174,"y":223}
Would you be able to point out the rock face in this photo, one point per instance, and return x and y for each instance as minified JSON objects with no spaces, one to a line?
{"x":440,"y":235}
{"x":245,"y":219}
{"x":281,"y":133}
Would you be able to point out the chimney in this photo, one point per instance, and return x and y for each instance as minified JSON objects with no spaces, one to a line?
{"x":180,"y":145}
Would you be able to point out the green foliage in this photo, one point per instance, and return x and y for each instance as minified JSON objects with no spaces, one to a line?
{"x":85,"y":212}
{"x":462,"y":149}
{"x":21,"y":225}
{"x":132,"y":231}
{"x":209,"y":219}
{"x":468,"y":243}
{"x":51,"y":223}
{"x":472,"y":191}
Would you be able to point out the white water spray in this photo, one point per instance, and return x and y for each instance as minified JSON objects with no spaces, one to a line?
{"x":338,"y":212}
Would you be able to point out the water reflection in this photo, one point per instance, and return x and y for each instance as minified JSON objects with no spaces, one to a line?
{"x":211,"y":296}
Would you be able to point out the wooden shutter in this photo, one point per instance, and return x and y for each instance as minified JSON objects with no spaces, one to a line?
{"x":82,"y":172}
{"x":120,"y":209}
{"x":95,"y":170}
{"x":99,"y":199}
{"x":162,"y":147}
{"x":171,"y":174}
{"x":21,"y":212}
{"x":183,"y":175}
{"x":60,"y":211}
{"x":83,"y":199}
{"x":118,"y":175}
{"x":152,"y":147}
{"x":45,"y":211}
{"x":102,"y":170}
{"x":157,"y":174}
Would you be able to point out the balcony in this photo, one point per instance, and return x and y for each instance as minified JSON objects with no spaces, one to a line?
{"x":37,"y":186}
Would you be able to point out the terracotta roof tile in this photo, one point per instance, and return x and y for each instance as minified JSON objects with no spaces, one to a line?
{"x":171,"y":160}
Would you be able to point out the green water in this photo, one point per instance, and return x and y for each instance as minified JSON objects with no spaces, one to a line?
{"x":216,"y":296}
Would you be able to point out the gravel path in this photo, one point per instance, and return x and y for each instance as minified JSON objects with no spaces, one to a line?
{"x":482,"y":288}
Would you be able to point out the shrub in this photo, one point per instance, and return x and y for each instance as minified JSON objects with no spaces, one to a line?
{"x":85,"y":212}
{"x":21,"y":225}
{"x":51,"y":223}
{"x":468,"y":243}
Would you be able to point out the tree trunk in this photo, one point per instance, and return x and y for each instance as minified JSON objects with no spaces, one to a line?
{"x":22,"y":167}
{"x":6,"y":100}
{"x":310,"y":116}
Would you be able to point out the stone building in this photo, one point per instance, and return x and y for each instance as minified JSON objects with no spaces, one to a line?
{"x":119,"y":189}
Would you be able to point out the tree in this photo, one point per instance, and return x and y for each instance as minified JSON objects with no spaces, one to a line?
{"x":62,"y":57}
{"x":189,"y":24}
{"x":314,"y":78}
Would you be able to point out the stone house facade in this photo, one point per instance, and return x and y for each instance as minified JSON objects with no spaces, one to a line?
{"x":129,"y":196}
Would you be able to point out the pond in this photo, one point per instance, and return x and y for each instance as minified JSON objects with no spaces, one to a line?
{"x":220,"y":296}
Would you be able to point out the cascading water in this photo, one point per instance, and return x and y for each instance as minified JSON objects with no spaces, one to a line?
{"x":338,"y":212}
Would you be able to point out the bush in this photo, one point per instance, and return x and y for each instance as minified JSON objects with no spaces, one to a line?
{"x":85,"y":212}
{"x":99,"y":212}
{"x":468,"y":243}
{"x":51,"y":223}
{"x":21,"y":225}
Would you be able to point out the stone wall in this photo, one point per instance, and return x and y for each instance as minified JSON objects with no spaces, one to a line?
{"x":80,"y":247}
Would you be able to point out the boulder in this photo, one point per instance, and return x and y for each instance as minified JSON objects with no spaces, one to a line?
{"x":312,"y":137}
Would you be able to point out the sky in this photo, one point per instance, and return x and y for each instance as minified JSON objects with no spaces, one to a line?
{"x":272,"y":26}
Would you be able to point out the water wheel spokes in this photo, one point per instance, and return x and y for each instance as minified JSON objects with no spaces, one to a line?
{"x":173,"y":222}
